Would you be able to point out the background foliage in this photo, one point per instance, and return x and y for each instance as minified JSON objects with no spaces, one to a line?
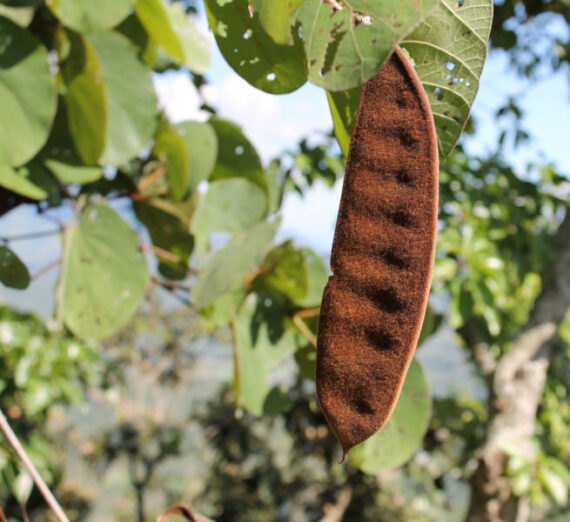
{"x":121,"y":401}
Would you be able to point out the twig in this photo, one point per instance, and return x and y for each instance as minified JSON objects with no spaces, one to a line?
{"x":31,"y":235}
{"x":41,"y":485}
{"x":24,"y":512}
{"x":311,"y":337}
{"x":175,"y":285}
{"x":2,"y":516}
{"x":46,"y":269}
{"x":169,"y":256}
{"x":335,"y":512}
{"x":308,"y":312}
{"x":149,"y":180}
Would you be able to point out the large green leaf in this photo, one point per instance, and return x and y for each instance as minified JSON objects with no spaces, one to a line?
{"x":104,"y":274}
{"x":132,"y":112}
{"x":229,"y":265}
{"x":276,"y":18}
{"x":251,"y":52}
{"x":170,"y":148}
{"x":449,"y":50}
{"x":13,"y":273}
{"x":397,"y":441}
{"x":19,"y":15}
{"x":175,"y":32}
{"x":347,"y":42}
{"x":27,"y":94}
{"x":20,"y":182}
{"x":85,"y":99}
{"x":237,"y":158}
{"x":231,"y":206}
{"x":260,"y":343}
{"x":202,"y":145}
{"x":87,"y":16}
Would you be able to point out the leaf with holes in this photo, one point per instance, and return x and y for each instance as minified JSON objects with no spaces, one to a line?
{"x":347,"y":41}
{"x":449,"y":50}
{"x":277,"y":18}
{"x":229,"y":206}
{"x":27,"y":94}
{"x":86,"y":17}
{"x":171,"y":28}
{"x":251,"y":52}
{"x":202,"y":145}
{"x":397,"y":441}
{"x":104,"y":274}
{"x":232,"y":263}
{"x":237,"y":157}
{"x":261,"y":341}
{"x":13,"y":273}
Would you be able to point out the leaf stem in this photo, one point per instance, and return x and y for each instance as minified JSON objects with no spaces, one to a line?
{"x":41,"y":485}
{"x":305,"y":330}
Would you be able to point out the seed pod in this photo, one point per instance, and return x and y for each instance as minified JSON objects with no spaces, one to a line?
{"x":382,"y":256}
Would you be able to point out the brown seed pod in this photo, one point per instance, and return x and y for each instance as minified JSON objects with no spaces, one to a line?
{"x":382,"y":255}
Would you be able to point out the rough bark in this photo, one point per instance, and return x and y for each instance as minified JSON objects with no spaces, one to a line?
{"x":518,"y":384}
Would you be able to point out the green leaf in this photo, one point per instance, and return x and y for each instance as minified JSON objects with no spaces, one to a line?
{"x":344,"y":106}
{"x":13,"y":273}
{"x":67,"y":173}
{"x":104,"y":274}
{"x":318,"y":278}
{"x":85,"y":99}
{"x":260,"y":343}
{"x":397,"y":441}
{"x":449,"y":49}
{"x":60,"y":157}
{"x":132,"y":28}
{"x":345,"y":47}
{"x":251,"y":52}
{"x":19,"y":15}
{"x":220,"y":313}
{"x":170,"y":148}
{"x":237,"y":158}
{"x":27,"y":94}
{"x":202,"y":145}
{"x":168,"y":233}
{"x":229,"y":205}
{"x":230,"y":265}
{"x":171,"y":28}
{"x":432,"y":321}
{"x":132,"y":112}
{"x":277,"y":18}
{"x":306,"y":359}
{"x":19,"y":182}
{"x":554,"y":484}
{"x":285,"y":271}
{"x":86,"y":17}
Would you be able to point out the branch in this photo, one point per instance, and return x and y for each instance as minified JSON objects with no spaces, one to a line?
{"x":305,"y":330}
{"x":42,"y":486}
{"x":518,"y":385}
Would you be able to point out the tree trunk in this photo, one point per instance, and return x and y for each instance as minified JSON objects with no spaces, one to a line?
{"x":518,"y":385}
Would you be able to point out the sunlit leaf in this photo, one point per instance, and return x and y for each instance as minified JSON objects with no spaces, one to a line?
{"x":27,"y":94}
{"x":347,"y":42}
{"x":397,"y":441}
{"x":276,"y":18}
{"x":19,"y":181}
{"x":87,"y":16}
{"x":449,"y":50}
{"x":230,"y":265}
{"x":104,"y":274}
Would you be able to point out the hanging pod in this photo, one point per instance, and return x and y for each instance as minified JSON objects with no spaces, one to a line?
{"x":382,"y":256}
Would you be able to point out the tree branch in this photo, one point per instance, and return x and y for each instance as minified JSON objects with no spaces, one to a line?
{"x":518,"y":385}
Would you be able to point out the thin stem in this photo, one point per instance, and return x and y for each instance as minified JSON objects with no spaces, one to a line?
{"x":46,"y":269}
{"x":149,"y":180}
{"x":2,"y":516}
{"x":39,"y":481}
{"x":169,"y":256}
{"x":311,"y":337}
{"x":31,"y":235}
{"x":308,"y":312}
